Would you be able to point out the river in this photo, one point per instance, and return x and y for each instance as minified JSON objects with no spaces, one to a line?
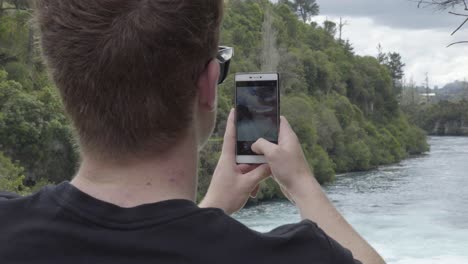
{"x":413,"y":212}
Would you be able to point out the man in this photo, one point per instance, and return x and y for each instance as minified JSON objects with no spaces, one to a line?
{"x":138,"y":80}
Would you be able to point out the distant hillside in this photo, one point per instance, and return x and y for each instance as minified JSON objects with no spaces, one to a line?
{"x":419,"y":94}
{"x":453,"y":91}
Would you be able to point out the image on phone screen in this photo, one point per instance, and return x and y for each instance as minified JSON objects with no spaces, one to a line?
{"x":256,"y":114}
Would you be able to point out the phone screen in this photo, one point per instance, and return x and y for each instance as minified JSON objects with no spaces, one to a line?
{"x":256,"y":114}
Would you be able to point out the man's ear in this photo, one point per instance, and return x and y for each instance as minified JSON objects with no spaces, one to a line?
{"x":207,"y":86}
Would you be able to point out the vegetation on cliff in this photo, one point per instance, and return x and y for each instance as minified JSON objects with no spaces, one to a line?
{"x":343,"y":106}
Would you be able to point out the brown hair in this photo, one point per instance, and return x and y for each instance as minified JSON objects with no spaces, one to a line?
{"x":127,"y":69}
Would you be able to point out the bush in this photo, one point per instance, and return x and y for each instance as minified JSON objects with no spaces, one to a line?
{"x":322,"y":165}
{"x":34,"y":131}
{"x":11,"y":176}
{"x":360,"y":155}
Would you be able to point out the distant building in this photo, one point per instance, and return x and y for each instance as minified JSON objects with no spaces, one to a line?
{"x":428,"y":94}
{"x":427,"y":97}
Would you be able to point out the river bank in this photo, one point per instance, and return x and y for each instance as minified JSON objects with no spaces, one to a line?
{"x":444,"y":118}
{"x":411,"y":212}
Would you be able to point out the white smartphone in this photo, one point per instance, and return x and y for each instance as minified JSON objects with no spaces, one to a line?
{"x":257,"y":113}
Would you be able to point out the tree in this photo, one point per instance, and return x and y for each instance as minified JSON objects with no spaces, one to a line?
{"x":426,"y":83}
{"x":34,"y":131}
{"x":396,"y":66}
{"x":394,"y":63}
{"x":305,"y":8}
{"x":16,"y":4}
{"x":452,"y":4}
{"x":381,"y":55}
{"x":348,"y":47}
{"x":412,"y":86}
{"x":6,"y":58}
{"x":330,"y":27}
{"x":443,"y":4}
{"x":341,"y":27}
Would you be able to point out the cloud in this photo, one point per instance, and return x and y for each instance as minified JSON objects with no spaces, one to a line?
{"x":423,"y":50}
{"x":393,"y":13}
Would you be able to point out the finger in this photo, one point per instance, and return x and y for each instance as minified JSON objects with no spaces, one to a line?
{"x":229,"y":143}
{"x":259,"y":174}
{"x":254,"y":193}
{"x":246,"y":168}
{"x":263,"y":147}
{"x":286,"y":132}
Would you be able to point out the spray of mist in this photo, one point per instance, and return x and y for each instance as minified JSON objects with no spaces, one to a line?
{"x":270,"y":57}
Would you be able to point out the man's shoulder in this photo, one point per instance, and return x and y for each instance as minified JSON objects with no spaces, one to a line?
{"x":227,"y":238}
{"x":4,"y":196}
{"x":9,"y":199}
{"x":302,"y":242}
{"x":15,"y":205}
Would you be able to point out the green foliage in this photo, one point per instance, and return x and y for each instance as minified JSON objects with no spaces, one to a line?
{"x":305,"y":8}
{"x":34,"y":131}
{"x":444,"y":118}
{"x":33,"y":128}
{"x":269,"y":190}
{"x":11,"y":176}
{"x":20,"y":73}
{"x":395,"y":65}
{"x":321,"y":163}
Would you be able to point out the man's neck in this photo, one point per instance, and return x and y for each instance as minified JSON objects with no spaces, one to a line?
{"x":169,"y":176}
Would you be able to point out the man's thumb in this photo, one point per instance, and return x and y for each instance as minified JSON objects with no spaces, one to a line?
{"x":263,"y":147}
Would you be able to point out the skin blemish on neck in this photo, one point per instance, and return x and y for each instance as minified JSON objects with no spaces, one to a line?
{"x":148,"y":184}
{"x":174,"y":176}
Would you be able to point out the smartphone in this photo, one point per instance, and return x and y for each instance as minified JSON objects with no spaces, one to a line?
{"x":257,"y":113}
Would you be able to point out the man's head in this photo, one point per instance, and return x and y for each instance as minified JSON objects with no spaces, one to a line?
{"x":134,"y":75}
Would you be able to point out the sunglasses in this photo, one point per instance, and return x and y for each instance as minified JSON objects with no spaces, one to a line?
{"x":224,"y":58}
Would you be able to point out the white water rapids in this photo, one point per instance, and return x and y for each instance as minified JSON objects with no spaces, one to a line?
{"x":415,"y":212}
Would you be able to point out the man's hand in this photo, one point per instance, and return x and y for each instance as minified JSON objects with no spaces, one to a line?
{"x":287,"y":161}
{"x":292,"y":172}
{"x":232,"y":184}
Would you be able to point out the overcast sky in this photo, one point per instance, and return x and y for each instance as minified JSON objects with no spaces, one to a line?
{"x":419,"y":35}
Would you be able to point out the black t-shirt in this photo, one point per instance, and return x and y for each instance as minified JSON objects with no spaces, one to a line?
{"x":64,"y":225}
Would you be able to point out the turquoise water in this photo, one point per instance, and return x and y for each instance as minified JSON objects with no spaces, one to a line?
{"x":413,"y":212}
